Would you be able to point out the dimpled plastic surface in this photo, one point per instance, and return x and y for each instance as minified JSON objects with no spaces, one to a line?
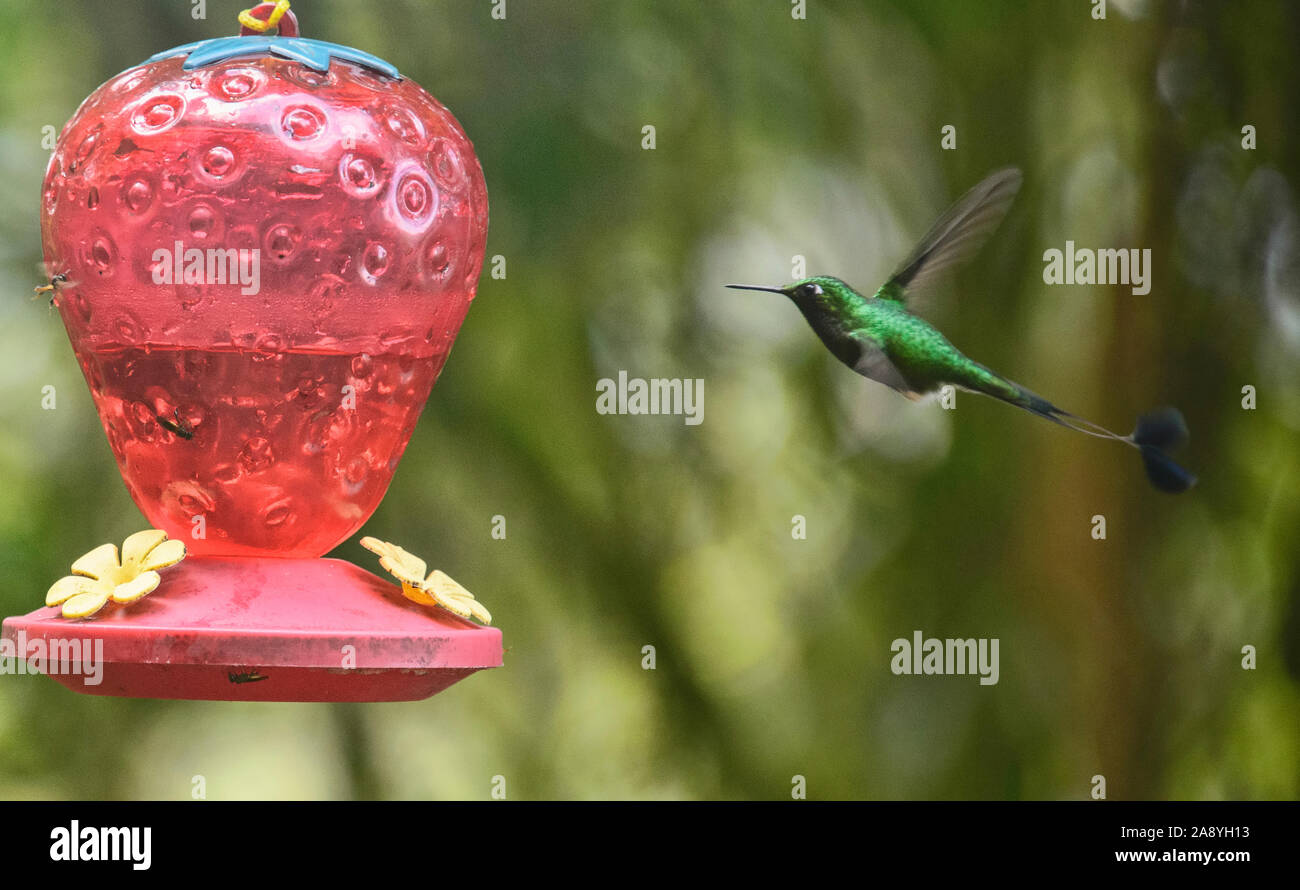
{"x":275,"y":409}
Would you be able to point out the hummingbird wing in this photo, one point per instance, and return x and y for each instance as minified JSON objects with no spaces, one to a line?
{"x":957,"y":235}
{"x":875,"y":365}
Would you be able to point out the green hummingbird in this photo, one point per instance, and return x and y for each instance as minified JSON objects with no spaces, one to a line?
{"x":879,"y":338}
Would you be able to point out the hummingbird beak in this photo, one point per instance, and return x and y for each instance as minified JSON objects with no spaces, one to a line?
{"x":770,"y":290}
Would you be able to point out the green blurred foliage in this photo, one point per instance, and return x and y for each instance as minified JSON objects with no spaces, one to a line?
{"x":775,"y":137}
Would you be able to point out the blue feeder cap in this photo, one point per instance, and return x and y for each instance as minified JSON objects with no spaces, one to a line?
{"x":315,"y":54}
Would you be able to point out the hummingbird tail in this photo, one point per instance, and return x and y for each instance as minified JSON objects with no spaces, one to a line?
{"x":1163,"y":428}
{"x":1155,"y":434}
{"x":1163,"y":472}
{"x":1015,"y":394}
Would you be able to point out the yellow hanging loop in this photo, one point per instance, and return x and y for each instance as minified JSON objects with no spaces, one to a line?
{"x":248,"y":20}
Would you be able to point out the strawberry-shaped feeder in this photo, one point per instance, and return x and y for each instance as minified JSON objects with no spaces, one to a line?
{"x":264,"y":247}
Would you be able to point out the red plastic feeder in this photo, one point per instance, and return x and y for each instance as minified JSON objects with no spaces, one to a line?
{"x":263,"y":248}
{"x":263,"y":630}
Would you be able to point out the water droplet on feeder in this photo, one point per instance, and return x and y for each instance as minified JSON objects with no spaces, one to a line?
{"x":270,"y":343}
{"x":157,"y":114}
{"x":278,"y":512}
{"x":354,"y":474}
{"x":310,"y":78}
{"x":302,"y":122}
{"x":203,"y":222}
{"x":447,"y":167}
{"x":416,"y":198}
{"x":239,"y":83}
{"x":192,"y":498}
{"x":256,"y":455}
{"x":438,"y":257}
{"x":359,"y":175}
{"x":142,"y":413}
{"x":100,"y":255}
{"x":51,"y":195}
{"x":402,"y":124}
{"x":128,"y":82}
{"x":226,"y":473}
{"x":127,"y":329}
{"x":218,"y":161}
{"x":374,"y":262}
{"x":138,"y":195}
{"x":88,"y":144}
{"x":82,"y":306}
{"x":281,"y":242}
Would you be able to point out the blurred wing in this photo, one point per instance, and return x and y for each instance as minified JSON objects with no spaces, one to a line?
{"x":875,"y":365}
{"x":957,"y":235}
{"x":45,"y":274}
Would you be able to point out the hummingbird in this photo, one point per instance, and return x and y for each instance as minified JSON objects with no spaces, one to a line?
{"x":881,"y":339}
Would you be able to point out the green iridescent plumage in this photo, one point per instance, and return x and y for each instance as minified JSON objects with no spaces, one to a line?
{"x":881,"y":339}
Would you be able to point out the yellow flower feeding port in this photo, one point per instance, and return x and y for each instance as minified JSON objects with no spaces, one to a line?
{"x":252,"y":630}
{"x":100,"y":576}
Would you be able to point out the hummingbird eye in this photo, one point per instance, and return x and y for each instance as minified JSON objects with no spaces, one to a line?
{"x":811,"y":290}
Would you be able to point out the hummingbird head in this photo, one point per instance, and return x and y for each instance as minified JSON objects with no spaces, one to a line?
{"x":806,"y":293}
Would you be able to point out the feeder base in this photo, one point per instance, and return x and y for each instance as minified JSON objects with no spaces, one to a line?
{"x":258,"y":630}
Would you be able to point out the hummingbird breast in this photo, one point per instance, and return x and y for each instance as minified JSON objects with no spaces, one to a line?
{"x":836,"y":331}
{"x":852,"y":325}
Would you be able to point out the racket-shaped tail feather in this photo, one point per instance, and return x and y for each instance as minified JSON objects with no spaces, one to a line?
{"x":1155,"y":435}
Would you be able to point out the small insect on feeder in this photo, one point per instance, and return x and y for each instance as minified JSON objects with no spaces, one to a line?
{"x":262,"y":248}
